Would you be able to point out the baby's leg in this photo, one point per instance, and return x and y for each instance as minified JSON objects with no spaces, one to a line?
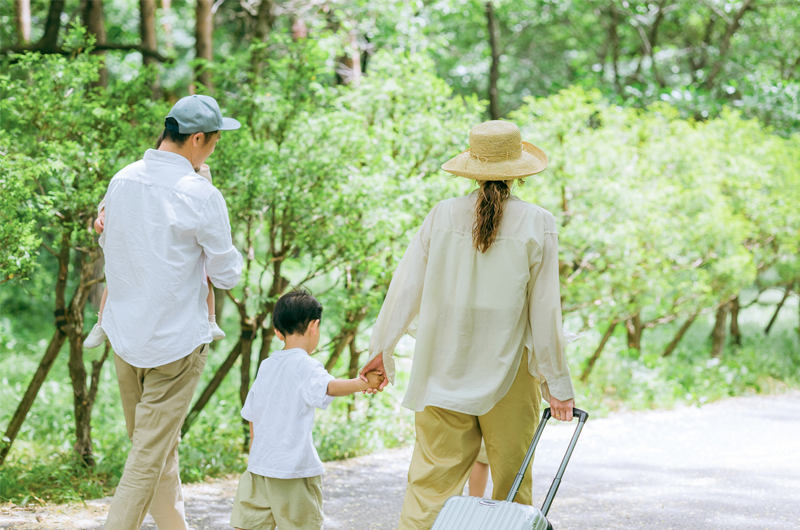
{"x":102,"y":305}
{"x":212,"y":317}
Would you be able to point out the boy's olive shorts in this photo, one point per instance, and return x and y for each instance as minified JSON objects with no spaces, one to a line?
{"x":262,"y":503}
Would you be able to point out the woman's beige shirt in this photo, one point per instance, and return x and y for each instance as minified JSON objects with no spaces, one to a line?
{"x":476,"y":313}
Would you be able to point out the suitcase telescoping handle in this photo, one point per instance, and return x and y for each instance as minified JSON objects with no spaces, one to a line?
{"x":551,"y":494}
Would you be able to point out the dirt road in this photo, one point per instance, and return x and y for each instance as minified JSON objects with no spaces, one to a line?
{"x":731,"y":465}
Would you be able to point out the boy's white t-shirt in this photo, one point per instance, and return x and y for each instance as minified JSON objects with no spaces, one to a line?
{"x":289,"y":386}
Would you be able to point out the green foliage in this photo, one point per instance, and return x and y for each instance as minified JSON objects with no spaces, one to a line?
{"x":18,"y":240}
{"x":669,"y":202}
{"x":631,"y":380}
{"x":644,"y":200}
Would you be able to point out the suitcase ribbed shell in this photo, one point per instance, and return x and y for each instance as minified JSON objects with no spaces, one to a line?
{"x":475,"y":513}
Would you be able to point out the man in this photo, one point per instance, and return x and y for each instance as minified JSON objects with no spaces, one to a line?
{"x":166,"y":229}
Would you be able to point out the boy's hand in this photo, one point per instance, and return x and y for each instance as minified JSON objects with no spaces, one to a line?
{"x":100,"y":222}
{"x":374,"y":379}
{"x":375,"y":364}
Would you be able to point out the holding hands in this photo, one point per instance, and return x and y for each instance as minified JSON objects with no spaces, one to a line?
{"x":375,"y":365}
{"x":374,"y":379}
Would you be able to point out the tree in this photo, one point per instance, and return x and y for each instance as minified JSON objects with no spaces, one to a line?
{"x":63,"y":142}
{"x":494,"y":71}
{"x":94,"y":20}
{"x":22,"y":18}
{"x":308,"y":190}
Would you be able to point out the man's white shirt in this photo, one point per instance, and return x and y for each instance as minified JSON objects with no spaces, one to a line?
{"x":289,"y":386}
{"x":166,"y":228}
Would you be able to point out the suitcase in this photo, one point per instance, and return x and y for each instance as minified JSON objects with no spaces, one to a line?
{"x":475,"y":513}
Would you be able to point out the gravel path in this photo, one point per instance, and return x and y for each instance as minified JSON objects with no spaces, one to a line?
{"x":731,"y":465}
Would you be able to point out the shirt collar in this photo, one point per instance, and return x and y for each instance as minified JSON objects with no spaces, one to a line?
{"x":290,"y":351}
{"x":168,"y":158}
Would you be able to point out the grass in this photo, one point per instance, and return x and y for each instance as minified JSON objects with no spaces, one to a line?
{"x":41,"y":468}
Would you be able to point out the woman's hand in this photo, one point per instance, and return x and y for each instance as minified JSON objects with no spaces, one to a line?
{"x":374,"y":365}
{"x":561,"y":410}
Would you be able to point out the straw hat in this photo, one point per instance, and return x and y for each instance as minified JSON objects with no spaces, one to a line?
{"x":497,"y":152}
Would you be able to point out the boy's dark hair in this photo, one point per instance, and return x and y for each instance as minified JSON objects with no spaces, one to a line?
{"x":294,"y":311}
{"x":170,"y":134}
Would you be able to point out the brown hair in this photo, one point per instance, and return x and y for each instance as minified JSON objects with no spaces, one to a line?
{"x":489,"y":207}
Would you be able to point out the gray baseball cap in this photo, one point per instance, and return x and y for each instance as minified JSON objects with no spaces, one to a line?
{"x":199,"y":114}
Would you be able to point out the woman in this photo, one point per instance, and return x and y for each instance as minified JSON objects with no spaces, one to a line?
{"x":481,"y":275}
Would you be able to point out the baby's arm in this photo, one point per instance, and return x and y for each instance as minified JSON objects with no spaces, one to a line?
{"x":345,"y":387}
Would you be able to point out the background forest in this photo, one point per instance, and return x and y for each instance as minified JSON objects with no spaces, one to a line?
{"x":672,"y":128}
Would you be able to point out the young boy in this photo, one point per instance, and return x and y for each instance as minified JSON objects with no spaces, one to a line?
{"x":283,"y":482}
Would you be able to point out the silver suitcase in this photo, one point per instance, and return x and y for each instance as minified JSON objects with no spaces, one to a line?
{"x":475,"y":513}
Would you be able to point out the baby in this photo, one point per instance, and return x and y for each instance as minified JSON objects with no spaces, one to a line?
{"x":98,"y":336}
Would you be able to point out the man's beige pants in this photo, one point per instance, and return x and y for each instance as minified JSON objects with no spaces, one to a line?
{"x":155,"y":402}
{"x":448,"y":444}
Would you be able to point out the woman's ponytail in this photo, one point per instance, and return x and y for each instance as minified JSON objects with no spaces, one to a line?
{"x":489,"y":208}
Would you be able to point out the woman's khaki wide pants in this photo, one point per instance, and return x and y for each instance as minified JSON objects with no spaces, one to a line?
{"x":155,"y":402}
{"x":448,"y":444}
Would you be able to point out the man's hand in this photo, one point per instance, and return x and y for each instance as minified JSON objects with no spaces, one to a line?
{"x":375,"y":365}
{"x":100,"y":222}
{"x":561,"y":410}
{"x":374,"y":379}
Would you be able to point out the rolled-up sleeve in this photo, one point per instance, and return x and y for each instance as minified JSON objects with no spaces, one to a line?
{"x":403,"y":299}
{"x":223,"y":261}
{"x":546,"y":327}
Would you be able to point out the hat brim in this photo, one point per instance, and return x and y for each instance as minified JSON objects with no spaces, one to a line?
{"x":229,"y":124}
{"x":531,"y":161}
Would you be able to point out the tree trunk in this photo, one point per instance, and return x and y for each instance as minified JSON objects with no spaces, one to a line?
{"x":348,"y":70}
{"x":94,"y":21}
{"x":248,"y":336}
{"x":96,"y":294}
{"x":267,"y":334}
{"x":596,"y":355}
{"x":786,"y":293}
{"x":49,"y":41}
{"x":147,"y":28}
{"x":204,"y":27}
{"x":724,"y":46}
{"x":352,"y":373}
{"x":52,"y":350}
{"x":338,"y":348}
{"x":679,"y":335}
{"x":166,"y":7}
{"x":147,"y":32}
{"x":494,"y":71}
{"x":30,"y":394}
{"x":22,"y":20}
{"x":212,"y":387}
{"x":265,"y":18}
{"x":84,"y":398}
{"x":735,"y":331}
{"x":718,"y":334}
{"x":635,"y":328}
{"x":614,"y":38}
